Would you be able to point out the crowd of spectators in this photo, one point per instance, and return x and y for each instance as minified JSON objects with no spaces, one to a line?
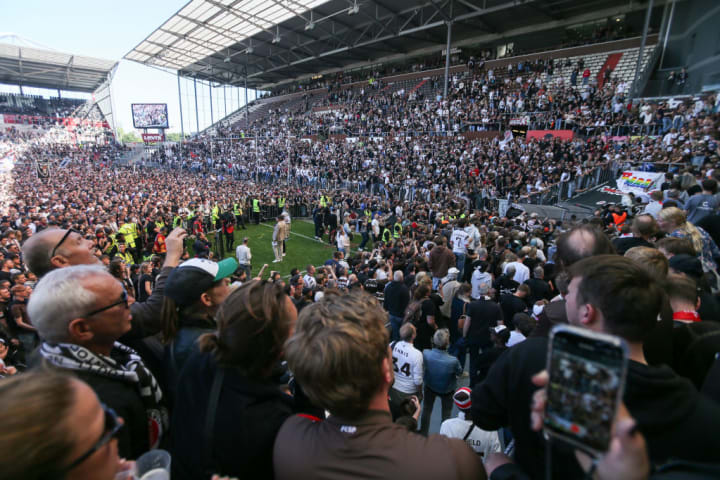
{"x":107,"y":274}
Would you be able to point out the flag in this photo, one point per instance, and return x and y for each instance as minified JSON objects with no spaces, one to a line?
{"x":43,"y":169}
{"x":508,"y":137}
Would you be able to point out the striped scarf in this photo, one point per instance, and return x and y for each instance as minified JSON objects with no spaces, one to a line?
{"x":123,"y":364}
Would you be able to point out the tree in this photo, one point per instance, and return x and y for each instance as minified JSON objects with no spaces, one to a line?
{"x":174,"y":137}
{"x":128,"y":137}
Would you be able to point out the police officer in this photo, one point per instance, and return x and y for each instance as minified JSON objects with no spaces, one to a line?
{"x":256,"y":210}
{"x":238,"y":212}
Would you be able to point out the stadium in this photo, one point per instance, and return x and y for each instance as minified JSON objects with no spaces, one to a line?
{"x":329,"y":213}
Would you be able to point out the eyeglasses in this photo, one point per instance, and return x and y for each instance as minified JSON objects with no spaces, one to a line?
{"x":67,"y":234}
{"x":112,"y":427}
{"x":123,"y":301}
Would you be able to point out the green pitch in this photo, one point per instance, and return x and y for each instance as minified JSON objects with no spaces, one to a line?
{"x":302,"y":248}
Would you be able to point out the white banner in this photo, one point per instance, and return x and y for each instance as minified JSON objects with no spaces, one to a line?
{"x":503,"y":206}
{"x":639,"y":182}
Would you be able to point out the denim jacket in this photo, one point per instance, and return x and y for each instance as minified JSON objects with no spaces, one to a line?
{"x":441,"y":370}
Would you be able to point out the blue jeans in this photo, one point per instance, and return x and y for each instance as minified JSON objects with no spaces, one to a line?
{"x":435,"y":283}
{"x":460,"y":263}
{"x":395,"y":323}
{"x":459,"y":350}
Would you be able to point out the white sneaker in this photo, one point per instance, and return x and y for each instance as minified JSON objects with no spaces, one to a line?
{"x":284,"y":254}
{"x":275,"y":261}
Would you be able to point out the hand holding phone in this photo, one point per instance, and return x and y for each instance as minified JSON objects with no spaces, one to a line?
{"x":585,"y":381}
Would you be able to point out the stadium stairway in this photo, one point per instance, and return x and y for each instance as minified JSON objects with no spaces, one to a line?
{"x":419,"y":85}
{"x":610,"y":63}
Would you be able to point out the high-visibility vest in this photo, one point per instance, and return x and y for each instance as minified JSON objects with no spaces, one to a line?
{"x":177,"y":221}
{"x":237,"y":210}
{"x":386,"y":235}
{"x":127,"y":258}
{"x":159,"y":225}
{"x":256,"y":205}
{"x":129,"y":233}
{"x":368,"y":214}
{"x":323,"y":202}
{"x":281,"y":202}
{"x":397,"y":230}
{"x":214,"y":214}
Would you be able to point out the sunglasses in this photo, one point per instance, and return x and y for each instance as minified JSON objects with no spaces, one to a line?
{"x":64,"y":237}
{"x":123,"y":301}
{"x":112,"y":427}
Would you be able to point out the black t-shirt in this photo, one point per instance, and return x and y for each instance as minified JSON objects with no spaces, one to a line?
{"x":425,"y":332}
{"x":624,"y":244}
{"x":539,"y":289}
{"x":142,"y":294}
{"x":483,"y":314}
{"x":510,"y":306}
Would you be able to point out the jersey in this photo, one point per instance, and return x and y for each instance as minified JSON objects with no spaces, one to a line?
{"x":408,"y":367}
{"x":459,"y":240}
{"x":480,"y":441}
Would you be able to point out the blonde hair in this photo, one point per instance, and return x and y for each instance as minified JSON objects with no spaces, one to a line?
{"x":678,"y":219}
{"x":650,"y":259}
{"x":337,"y":352}
{"x":33,"y":409}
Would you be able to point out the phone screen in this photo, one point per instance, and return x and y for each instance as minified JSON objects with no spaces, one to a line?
{"x":586,"y":380}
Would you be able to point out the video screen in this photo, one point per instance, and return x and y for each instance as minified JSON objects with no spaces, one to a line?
{"x":585,"y":377}
{"x":150,"y":115}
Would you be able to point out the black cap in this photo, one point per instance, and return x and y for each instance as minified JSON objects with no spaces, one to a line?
{"x":687,"y":264}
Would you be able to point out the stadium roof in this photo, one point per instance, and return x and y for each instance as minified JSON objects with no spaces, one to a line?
{"x":271,"y":41}
{"x":34,"y":67}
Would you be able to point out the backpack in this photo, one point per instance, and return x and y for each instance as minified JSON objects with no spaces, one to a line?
{"x":412,"y":313}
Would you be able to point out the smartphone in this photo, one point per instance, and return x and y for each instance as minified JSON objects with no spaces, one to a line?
{"x":587,"y":378}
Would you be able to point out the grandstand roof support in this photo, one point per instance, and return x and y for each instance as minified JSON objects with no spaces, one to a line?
{"x":447,"y":54}
{"x":182,"y":124}
{"x":635,"y":90}
{"x":197,"y":115}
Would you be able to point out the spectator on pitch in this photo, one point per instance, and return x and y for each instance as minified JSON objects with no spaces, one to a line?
{"x":440,"y":380}
{"x":351,"y":378}
{"x":609,"y":294}
{"x":396,"y":300}
{"x":80,"y":313}
{"x":193,"y":294}
{"x":408,"y":367}
{"x":481,"y":315}
{"x":79,"y":433}
{"x":229,"y":393}
{"x":462,"y":427}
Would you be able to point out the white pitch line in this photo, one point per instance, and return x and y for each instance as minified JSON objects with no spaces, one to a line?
{"x":298,"y":234}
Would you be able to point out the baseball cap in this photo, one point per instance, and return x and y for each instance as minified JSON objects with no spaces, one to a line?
{"x":462,"y":398}
{"x":192,"y":278}
{"x":687,"y":264}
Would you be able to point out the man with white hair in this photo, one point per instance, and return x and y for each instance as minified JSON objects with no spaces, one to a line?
{"x":80,"y":312}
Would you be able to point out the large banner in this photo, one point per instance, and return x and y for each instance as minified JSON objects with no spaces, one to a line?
{"x":153,"y":137}
{"x":540,"y":134}
{"x":639,"y":182}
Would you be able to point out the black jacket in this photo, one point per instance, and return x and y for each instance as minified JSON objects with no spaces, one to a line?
{"x":675,"y":419}
{"x":248,"y":416}
{"x":123,"y":397}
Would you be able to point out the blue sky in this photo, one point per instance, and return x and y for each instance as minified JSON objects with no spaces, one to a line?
{"x":110,"y":29}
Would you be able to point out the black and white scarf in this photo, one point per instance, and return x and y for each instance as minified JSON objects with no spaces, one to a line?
{"x":123,"y":364}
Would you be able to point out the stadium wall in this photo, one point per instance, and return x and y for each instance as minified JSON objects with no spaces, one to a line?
{"x":694,"y":43}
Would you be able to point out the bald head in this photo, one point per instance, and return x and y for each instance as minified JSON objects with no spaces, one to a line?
{"x":644,"y":226}
{"x":36,"y":250}
{"x":582,"y":242}
{"x":58,"y":248}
